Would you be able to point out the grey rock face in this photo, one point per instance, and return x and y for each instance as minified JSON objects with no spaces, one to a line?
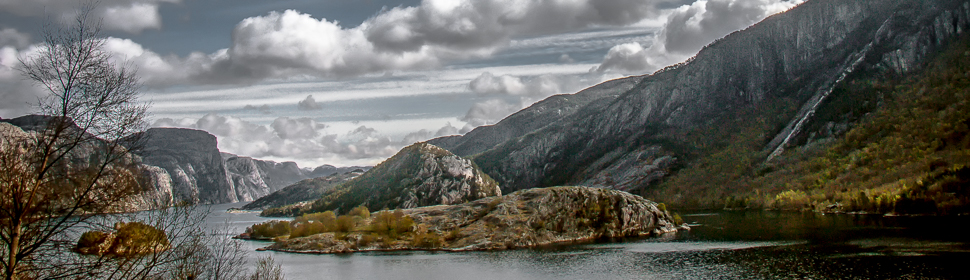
{"x":800,"y":54}
{"x":534,"y":117}
{"x":419,"y":175}
{"x":192,"y":160}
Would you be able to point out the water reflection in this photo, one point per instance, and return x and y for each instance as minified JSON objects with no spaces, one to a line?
{"x":721,"y":245}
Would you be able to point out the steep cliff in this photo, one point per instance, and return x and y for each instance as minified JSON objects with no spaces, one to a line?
{"x":201,"y":174}
{"x":192,"y":160}
{"x":778,"y":72}
{"x":419,"y":175}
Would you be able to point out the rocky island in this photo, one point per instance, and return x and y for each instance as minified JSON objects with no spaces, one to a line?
{"x":523,"y":219}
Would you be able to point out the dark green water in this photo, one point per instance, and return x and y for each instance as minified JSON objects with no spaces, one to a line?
{"x":721,"y":245}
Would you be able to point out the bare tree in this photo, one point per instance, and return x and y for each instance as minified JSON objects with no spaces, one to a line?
{"x":74,"y":161}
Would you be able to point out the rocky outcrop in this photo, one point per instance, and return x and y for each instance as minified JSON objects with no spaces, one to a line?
{"x":799,"y":55}
{"x":419,"y":175}
{"x":523,"y":219}
{"x":192,"y":161}
{"x":303,"y":191}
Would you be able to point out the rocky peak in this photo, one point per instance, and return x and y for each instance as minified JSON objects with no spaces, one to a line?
{"x":419,"y":175}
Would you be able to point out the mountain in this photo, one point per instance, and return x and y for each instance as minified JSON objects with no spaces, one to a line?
{"x":192,"y":160}
{"x":185,"y":165}
{"x":419,"y":175}
{"x":200,"y":173}
{"x":302,"y":191}
{"x":534,"y":117}
{"x":767,"y":91}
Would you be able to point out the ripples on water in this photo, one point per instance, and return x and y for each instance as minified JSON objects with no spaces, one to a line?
{"x":721,"y":245}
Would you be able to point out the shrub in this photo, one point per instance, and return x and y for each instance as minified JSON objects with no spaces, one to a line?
{"x":345,"y":223}
{"x":269,"y":229}
{"x":360,"y":211}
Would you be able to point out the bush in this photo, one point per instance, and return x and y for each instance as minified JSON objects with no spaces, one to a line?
{"x":345,"y":223}
{"x":269,"y":229}
{"x":391,"y":224}
{"x":360,"y":211}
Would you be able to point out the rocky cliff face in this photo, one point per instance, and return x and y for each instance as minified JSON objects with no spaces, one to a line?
{"x":523,"y":219}
{"x":798,"y":55}
{"x":192,"y":161}
{"x":199,"y":173}
{"x":419,"y":175}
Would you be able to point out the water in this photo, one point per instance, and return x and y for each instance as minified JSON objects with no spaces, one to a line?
{"x":721,"y":245}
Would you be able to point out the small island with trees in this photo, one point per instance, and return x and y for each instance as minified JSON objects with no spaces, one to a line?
{"x":523,"y":219}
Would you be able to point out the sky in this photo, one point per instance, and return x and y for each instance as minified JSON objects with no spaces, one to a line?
{"x":351,"y":82}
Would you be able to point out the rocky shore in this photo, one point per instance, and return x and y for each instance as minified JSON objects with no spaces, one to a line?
{"x":524,"y":219}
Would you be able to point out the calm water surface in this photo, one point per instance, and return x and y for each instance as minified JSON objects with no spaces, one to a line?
{"x":721,"y":245}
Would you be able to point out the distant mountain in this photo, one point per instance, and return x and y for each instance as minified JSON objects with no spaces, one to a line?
{"x":419,"y":175}
{"x":202,"y":174}
{"x":760,"y":93}
{"x":302,"y":191}
{"x":185,"y":165}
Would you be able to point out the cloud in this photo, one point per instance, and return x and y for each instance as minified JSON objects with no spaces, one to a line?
{"x":689,"y":28}
{"x":301,"y":139}
{"x":308,"y":104}
{"x":535,"y":87}
{"x":13,"y":38}
{"x":489,"y":112}
{"x":262,"y":109}
{"x":485,"y":24}
{"x":132,"y":16}
{"x":626,"y":58}
{"x":302,"y":128}
{"x":18,"y":95}
{"x":565,"y":58}
{"x":292,"y":45}
{"x":132,"y":19}
{"x":486,"y":83}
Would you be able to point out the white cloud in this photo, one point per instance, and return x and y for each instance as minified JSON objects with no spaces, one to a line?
{"x":290,"y":44}
{"x":303,"y":140}
{"x":486,"y":24}
{"x":532,"y":88}
{"x":688,"y":29}
{"x":489,"y":112}
{"x":133,"y":18}
{"x":17,"y":94}
{"x":626,"y":58}
{"x":490,"y":84}
{"x":13,"y":38}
